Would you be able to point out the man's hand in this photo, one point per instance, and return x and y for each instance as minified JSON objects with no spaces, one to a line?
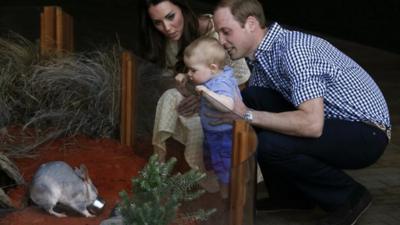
{"x":239,"y":108}
{"x":189,"y":106}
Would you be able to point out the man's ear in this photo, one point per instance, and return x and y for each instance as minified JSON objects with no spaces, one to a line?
{"x":251,"y":23}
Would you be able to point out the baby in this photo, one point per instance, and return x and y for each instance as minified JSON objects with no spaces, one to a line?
{"x":206,"y":62}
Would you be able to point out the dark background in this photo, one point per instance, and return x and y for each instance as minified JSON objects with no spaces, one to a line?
{"x":371,"y":22}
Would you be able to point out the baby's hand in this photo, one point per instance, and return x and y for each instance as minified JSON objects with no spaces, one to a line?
{"x":201,"y":88}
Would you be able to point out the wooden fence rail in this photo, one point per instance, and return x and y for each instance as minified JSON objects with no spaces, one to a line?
{"x":243,"y":175}
{"x":57,"y":36}
{"x":128,"y":101}
{"x":56,"y":31}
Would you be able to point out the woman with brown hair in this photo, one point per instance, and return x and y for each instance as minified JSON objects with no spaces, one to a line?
{"x":169,"y":26}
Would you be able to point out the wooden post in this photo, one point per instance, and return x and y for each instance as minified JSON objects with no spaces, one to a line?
{"x":123,"y":98}
{"x":48,"y":30}
{"x":244,"y":147}
{"x":59,"y":29}
{"x":128,"y":101}
{"x":56,"y":31}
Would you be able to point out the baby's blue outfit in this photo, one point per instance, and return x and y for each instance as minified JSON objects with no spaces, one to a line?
{"x":218,"y":138}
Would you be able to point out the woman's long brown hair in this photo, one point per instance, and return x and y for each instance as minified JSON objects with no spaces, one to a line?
{"x":152,"y":45}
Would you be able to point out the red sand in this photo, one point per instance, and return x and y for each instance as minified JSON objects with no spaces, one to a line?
{"x":111,"y":167}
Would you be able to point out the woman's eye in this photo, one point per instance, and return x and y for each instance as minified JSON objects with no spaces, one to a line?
{"x":156,"y":23}
{"x":170,"y":16}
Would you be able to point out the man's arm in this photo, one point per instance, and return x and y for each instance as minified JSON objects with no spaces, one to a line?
{"x":306,"y":121}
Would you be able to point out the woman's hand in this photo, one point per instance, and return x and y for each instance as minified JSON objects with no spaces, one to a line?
{"x":189,"y":106}
{"x":181,"y":81}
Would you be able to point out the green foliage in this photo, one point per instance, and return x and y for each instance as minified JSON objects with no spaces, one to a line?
{"x":158,"y":195}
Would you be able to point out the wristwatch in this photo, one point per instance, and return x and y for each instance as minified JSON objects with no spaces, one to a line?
{"x":248,"y":116}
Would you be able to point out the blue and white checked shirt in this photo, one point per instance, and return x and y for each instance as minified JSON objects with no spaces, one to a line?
{"x":304,"y":67}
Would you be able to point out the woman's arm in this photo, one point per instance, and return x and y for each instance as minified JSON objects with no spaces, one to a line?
{"x":241,"y":71}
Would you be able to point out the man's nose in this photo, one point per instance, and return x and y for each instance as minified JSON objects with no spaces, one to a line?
{"x":222,"y":39}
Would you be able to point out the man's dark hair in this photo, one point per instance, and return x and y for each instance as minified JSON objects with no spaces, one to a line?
{"x":242,"y":9}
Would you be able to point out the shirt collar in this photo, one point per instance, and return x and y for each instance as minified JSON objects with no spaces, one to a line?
{"x":227,"y":71}
{"x":272,"y":34}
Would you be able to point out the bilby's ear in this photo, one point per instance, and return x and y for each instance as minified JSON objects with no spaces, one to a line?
{"x":82,"y":172}
{"x":79,"y":173}
{"x":85,"y":172}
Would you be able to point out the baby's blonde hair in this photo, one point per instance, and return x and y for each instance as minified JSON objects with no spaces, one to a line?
{"x":209,"y":51}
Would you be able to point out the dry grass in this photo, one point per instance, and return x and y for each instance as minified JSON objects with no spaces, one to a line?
{"x":17,"y":55}
{"x":61,"y":95}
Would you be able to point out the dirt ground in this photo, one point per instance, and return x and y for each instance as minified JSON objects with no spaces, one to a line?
{"x":111,"y":167}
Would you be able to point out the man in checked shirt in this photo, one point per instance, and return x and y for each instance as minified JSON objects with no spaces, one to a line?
{"x":315,"y":111}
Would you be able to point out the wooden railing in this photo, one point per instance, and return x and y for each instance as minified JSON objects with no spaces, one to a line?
{"x":56,"y":31}
{"x":128,"y":101}
{"x":243,"y":175}
{"x":57,"y":36}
